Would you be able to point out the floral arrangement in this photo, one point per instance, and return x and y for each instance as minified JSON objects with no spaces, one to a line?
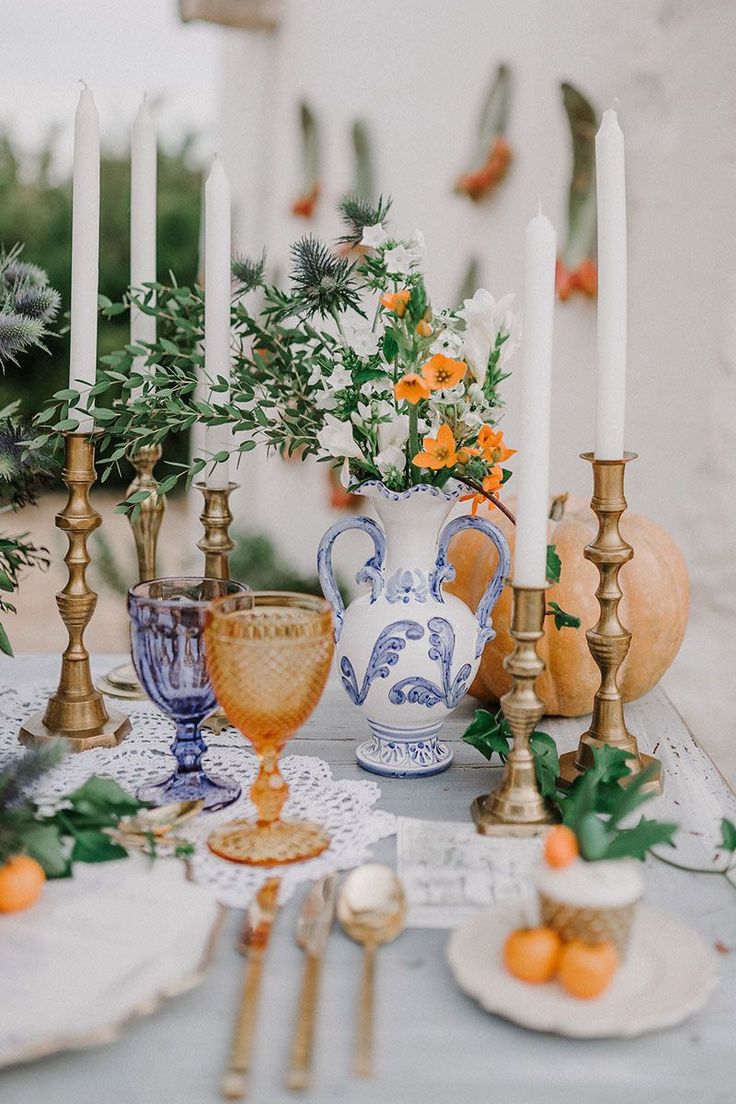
{"x":352,"y":365}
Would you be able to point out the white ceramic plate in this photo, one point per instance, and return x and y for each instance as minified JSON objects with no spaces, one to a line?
{"x":669,"y":973}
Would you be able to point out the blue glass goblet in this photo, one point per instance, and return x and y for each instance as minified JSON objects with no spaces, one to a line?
{"x":167,"y":646}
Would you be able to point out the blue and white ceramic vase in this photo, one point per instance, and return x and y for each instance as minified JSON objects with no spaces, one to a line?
{"x":407,"y":652}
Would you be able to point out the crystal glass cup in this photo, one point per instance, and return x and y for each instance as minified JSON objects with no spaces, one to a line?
{"x":268,"y":661}
{"x":168,"y":650}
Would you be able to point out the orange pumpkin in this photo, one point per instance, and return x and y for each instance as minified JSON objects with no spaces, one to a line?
{"x":654,"y":607}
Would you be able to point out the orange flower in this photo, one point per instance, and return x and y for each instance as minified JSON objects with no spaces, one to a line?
{"x":423,"y":328}
{"x":491,"y":485}
{"x":412,"y":388}
{"x":491,"y":444}
{"x":441,"y":371}
{"x":438,"y":452}
{"x":304,"y":206}
{"x":395,"y":301}
{"x":476,"y":184}
{"x":584,"y":278}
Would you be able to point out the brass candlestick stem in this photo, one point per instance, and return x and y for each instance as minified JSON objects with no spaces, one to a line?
{"x":517,"y":808}
{"x":608,"y":640}
{"x":216,"y":543}
{"x":77,"y":710}
{"x":122,"y":681}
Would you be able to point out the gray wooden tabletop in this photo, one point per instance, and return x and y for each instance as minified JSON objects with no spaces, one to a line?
{"x":434,"y":1045}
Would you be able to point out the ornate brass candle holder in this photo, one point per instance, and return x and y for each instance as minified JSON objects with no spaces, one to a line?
{"x":216,"y":517}
{"x":517,"y":808}
{"x":77,"y":710}
{"x":608,"y":640}
{"x":122,"y":681}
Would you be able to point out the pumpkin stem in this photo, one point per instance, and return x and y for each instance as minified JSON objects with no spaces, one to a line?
{"x":557,"y":509}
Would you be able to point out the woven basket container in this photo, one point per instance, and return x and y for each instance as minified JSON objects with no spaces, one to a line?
{"x":591,"y":925}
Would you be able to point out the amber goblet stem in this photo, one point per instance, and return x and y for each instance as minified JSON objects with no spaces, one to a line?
{"x":608,"y":640}
{"x":269,"y":791}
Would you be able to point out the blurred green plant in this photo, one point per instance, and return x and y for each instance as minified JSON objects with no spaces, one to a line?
{"x":35,"y":208}
{"x":255,"y":561}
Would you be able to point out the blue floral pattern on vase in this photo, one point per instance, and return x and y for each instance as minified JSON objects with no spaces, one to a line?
{"x":421,"y":691}
{"x":405,"y":585}
{"x":371,"y":572}
{"x":384,"y":656}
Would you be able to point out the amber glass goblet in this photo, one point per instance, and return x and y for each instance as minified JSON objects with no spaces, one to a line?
{"x":268,"y":661}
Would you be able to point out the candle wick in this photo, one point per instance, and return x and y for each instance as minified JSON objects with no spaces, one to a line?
{"x":83,"y":83}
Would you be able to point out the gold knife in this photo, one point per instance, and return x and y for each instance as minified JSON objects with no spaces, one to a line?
{"x":261,"y":915}
{"x":313,"y":928}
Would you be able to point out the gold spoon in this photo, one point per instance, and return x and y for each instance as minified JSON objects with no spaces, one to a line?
{"x":371,"y":908}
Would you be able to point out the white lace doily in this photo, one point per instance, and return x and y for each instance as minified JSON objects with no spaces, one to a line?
{"x":344,"y":808}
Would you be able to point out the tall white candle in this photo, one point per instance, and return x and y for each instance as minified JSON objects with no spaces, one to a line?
{"x":536,"y":385}
{"x":217,"y":286}
{"x":611,"y":188}
{"x":85,"y":254}
{"x":142,"y":222}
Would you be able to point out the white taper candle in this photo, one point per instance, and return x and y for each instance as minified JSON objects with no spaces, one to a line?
{"x":85,"y":254}
{"x":611,"y":189}
{"x":217,"y":285}
{"x":142,"y":222}
{"x":536,"y":387}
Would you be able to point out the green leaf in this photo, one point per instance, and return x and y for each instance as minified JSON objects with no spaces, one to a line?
{"x":67,"y":425}
{"x":5,"y":645}
{"x":104,"y":792}
{"x":5,"y":582}
{"x":635,"y":842}
{"x":546,"y":763}
{"x":43,"y":843}
{"x":594,"y":838}
{"x":563,"y":620}
{"x":488,"y":733}
{"x":728,"y":835}
{"x":68,"y":394}
{"x":92,"y":846}
{"x":390,"y":345}
{"x":554,"y":564}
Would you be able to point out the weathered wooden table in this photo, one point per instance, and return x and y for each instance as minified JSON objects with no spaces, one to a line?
{"x":434,"y":1045}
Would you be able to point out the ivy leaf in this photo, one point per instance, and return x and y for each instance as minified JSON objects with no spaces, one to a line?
{"x":563,"y":620}
{"x":101,"y":793}
{"x":635,"y":842}
{"x":554,"y":564}
{"x":728,"y":835}
{"x":546,"y":763}
{"x":93,"y":846}
{"x":488,"y":733}
{"x":594,"y":837}
{"x":43,"y":843}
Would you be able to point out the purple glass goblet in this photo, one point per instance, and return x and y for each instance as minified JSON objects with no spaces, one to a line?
{"x":167,"y":645}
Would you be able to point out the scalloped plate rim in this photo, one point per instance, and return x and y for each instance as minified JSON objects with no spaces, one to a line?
{"x":524,"y":1010}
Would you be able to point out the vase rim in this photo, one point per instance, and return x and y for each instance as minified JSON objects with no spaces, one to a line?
{"x":449,"y":495}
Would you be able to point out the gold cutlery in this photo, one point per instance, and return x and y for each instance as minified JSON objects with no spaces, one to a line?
{"x":371,"y":907}
{"x":313,"y":928}
{"x":261,"y":915}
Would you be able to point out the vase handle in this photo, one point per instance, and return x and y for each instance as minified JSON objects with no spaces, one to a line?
{"x":445,"y":572}
{"x":371,"y":571}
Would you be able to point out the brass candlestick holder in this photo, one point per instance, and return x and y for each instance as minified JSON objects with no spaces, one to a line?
{"x":608,"y":640}
{"x":122,"y":681}
{"x":217,"y":544}
{"x":216,"y":517}
{"x":517,"y":808}
{"x":77,"y":710}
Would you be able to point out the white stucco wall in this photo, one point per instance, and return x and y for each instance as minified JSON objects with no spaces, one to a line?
{"x":416,"y":71}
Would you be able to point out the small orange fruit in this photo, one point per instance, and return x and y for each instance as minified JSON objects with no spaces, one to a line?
{"x":423,"y":328}
{"x":21,"y":882}
{"x":561,"y":846}
{"x":587,"y":969}
{"x":532,"y":954}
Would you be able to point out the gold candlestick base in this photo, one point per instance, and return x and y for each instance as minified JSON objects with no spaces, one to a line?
{"x":77,"y":711}
{"x":216,"y":543}
{"x":608,"y":640}
{"x":517,"y":808}
{"x":122,"y":681}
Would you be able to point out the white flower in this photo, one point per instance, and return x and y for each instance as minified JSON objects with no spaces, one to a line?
{"x":393,"y":434}
{"x":484,"y":320}
{"x":325,"y":400}
{"x":336,"y":439}
{"x":362,"y":340}
{"x":418,"y":246}
{"x":448,"y":343}
{"x":399,"y":260}
{"x":385,"y":409}
{"x":377,"y":386}
{"x":345,"y":477}
{"x":339,"y":379}
{"x":363,"y":414}
{"x":373,"y":236}
{"x":391,"y":459}
{"x":316,"y":376}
